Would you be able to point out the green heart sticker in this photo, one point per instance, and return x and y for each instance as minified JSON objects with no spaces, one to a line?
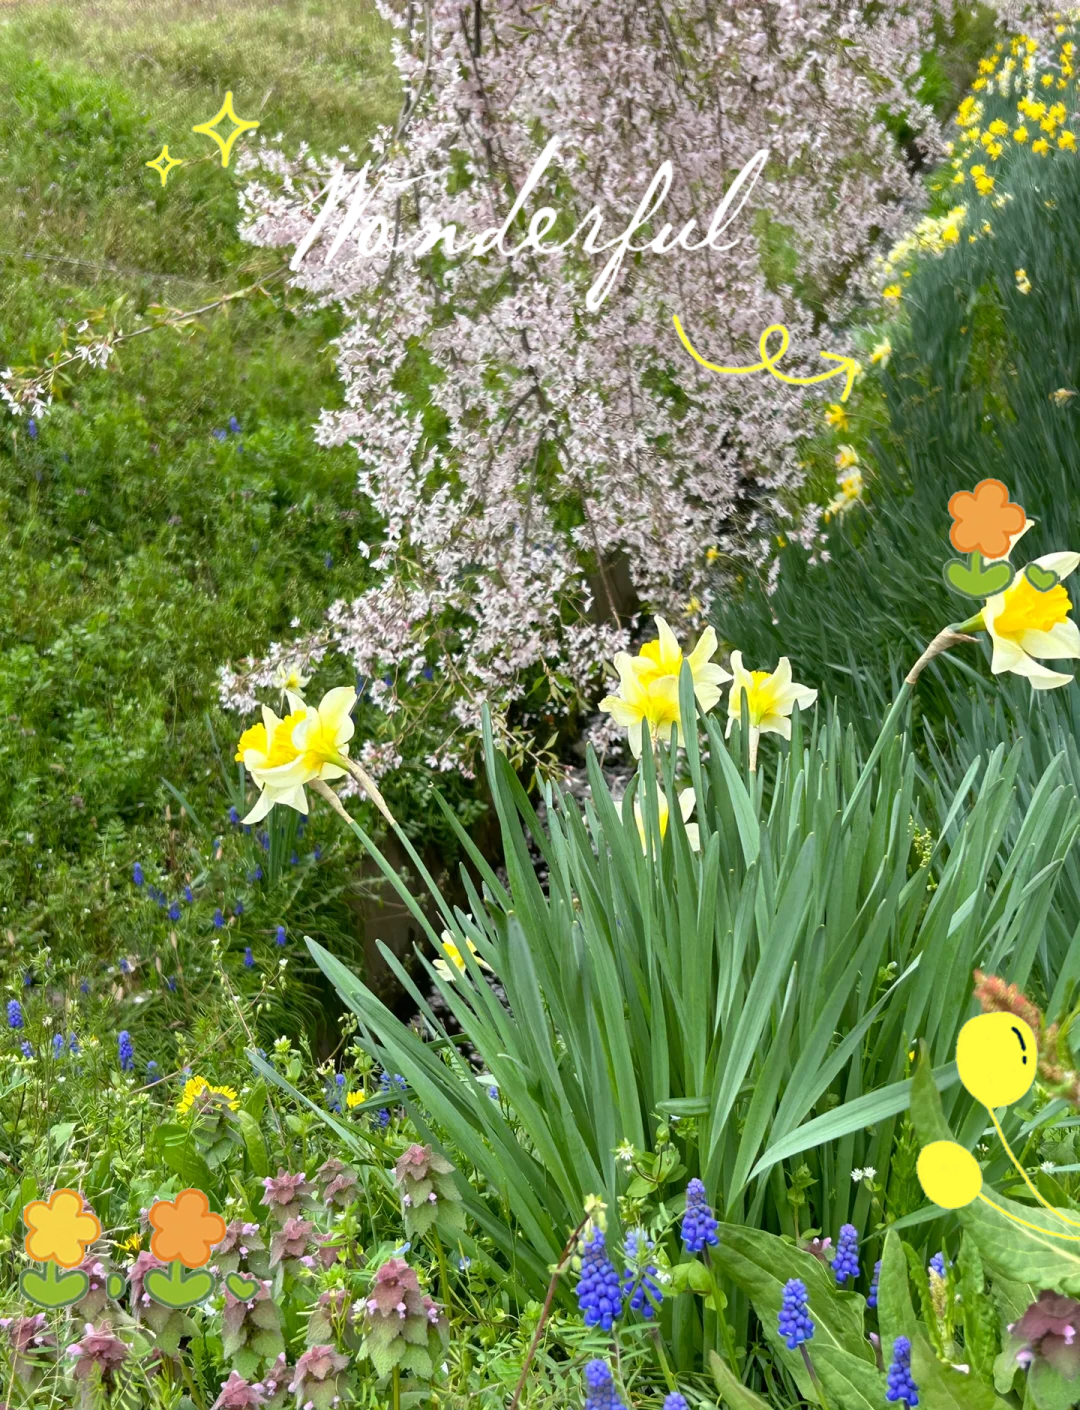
{"x":115,"y":1284}
{"x":243,"y":1289}
{"x":1041,"y":579}
{"x":978,"y":582}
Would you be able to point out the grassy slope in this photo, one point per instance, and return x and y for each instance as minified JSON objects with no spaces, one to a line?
{"x":136,"y":551}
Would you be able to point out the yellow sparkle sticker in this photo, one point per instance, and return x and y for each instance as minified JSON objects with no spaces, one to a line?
{"x":240,"y":125}
{"x":163,"y":164}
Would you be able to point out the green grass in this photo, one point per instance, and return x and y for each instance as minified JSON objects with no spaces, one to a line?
{"x":137,"y":552}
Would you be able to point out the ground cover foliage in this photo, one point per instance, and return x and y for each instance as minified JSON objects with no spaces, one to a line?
{"x":651,"y":1138}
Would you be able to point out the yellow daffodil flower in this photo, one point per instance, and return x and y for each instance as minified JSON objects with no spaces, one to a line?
{"x":663,"y":657}
{"x":1062,"y":396}
{"x":770,"y":696}
{"x":455,"y":957}
{"x":1025,"y":624}
{"x":1067,"y":142}
{"x":1020,"y":134}
{"x":847,"y":457}
{"x":1042,"y":146}
{"x":289,"y":679}
{"x":283,"y":755}
{"x":663,"y":812}
{"x":638,"y":707}
{"x":1023,"y":283}
{"x":882,"y":352}
{"x":835,"y":415}
{"x":892,"y":292}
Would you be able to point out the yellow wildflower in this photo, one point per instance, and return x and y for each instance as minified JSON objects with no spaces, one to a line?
{"x":195,"y":1087}
{"x":882,"y":352}
{"x":892,"y":292}
{"x":836,"y":416}
{"x":1025,"y":624}
{"x":712,"y":554}
{"x":353,"y":1099}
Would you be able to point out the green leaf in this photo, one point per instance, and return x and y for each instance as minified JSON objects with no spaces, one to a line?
{"x":1029,"y":1252}
{"x":254,"y":1143}
{"x":732,"y":1391}
{"x":1049,"y":1388}
{"x":851,"y":1382}
{"x":177,"y":1147}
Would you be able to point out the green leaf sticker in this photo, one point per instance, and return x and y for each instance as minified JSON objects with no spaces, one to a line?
{"x":178,"y":1288}
{"x":243,"y":1289}
{"x":1041,"y":579}
{"x":52,"y":1288}
{"x":977,"y":581}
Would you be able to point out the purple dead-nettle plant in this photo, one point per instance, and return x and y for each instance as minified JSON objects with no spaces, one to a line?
{"x":574,"y":460}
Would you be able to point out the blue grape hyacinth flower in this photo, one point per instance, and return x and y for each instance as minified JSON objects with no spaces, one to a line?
{"x":898,"y":1382}
{"x":794,"y":1321}
{"x":599,"y":1291}
{"x":600,"y":1392}
{"x":871,"y":1300}
{"x":15,"y":1014}
{"x":675,"y":1401}
{"x":937,"y":1264}
{"x":846,"y":1263}
{"x":699,"y":1222}
{"x":125,"y":1050}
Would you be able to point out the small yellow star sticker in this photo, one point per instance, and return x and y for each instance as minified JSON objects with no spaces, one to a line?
{"x":164,"y":164}
{"x":225,"y":143}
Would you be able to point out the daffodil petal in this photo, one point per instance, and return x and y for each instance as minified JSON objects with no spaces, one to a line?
{"x":1061,"y":563}
{"x":1062,"y":640}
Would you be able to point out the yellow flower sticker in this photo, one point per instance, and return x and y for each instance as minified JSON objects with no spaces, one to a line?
{"x":60,"y":1229}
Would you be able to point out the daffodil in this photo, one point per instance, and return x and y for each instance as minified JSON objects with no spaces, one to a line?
{"x":288,"y":679}
{"x":310,"y":743}
{"x":639,"y":706}
{"x":455,"y":957}
{"x":664,"y":657}
{"x":686,"y":801}
{"x":770,"y":698}
{"x":1025,"y":624}
{"x":835,"y":415}
{"x":847,"y":457}
{"x":882,"y":352}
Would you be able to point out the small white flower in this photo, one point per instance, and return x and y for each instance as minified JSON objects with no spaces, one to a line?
{"x":1048,"y":1167}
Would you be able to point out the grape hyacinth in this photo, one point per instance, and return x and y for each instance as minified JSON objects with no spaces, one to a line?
{"x":279,"y":935}
{"x":937,"y":1264}
{"x":26,"y":1050}
{"x":794,"y":1321}
{"x":600,"y":1391}
{"x":639,"y":1281}
{"x":15,"y":1014}
{"x":599,"y":1292}
{"x":898,"y":1382}
{"x":675,"y":1401}
{"x":871,"y":1300}
{"x":846,"y":1263}
{"x":249,"y":958}
{"x":137,"y":874}
{"x":125,"y":1051}
{"x":699,"y":1222}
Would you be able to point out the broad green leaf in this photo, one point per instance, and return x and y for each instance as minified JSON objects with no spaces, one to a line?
{"x":849,"y":1381}
{"x":254,"y":1143}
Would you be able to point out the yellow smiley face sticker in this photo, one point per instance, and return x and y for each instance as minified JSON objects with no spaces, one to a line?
{"x":996,"y":1057}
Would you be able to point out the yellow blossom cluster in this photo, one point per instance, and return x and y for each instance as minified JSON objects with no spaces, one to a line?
{"x":933,"y":235}
{"x":196,"y":1087}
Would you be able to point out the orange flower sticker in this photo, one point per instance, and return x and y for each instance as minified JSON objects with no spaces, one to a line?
{"x":60,"y":1229}
{"x":186,"y":1229}
{"x":985,"y":522}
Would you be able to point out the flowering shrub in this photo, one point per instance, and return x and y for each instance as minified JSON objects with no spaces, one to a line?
{"x":528,"y":451}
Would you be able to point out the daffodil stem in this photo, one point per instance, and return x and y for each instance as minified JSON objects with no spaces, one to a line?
{"x":951,"y":636}
{"x":754,"y":736}
{"x":367,"y":783}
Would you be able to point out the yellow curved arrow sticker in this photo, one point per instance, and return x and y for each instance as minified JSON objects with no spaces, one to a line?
{"x":769,"y":360}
